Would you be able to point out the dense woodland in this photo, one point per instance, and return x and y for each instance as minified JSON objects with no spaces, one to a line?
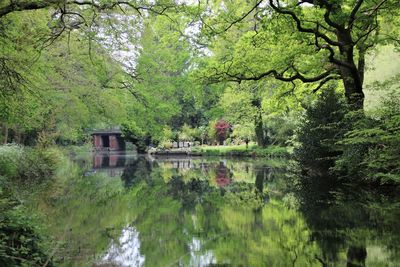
{"x":314,"y":80}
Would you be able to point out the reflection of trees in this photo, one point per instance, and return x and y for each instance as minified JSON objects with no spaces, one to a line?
{"x":272,"y":236}
{"x":178,"y":212}
{"x":169,"y":214}
{"x":139,"y":169}
{"x":84,"y":219}
{"x":223,"y":175}
{"x":188,"y":193}
{"x":345,"y":221}
{"x":236,"y":235}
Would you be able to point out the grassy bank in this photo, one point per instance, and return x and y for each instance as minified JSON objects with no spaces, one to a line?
{"x":242,"y":151}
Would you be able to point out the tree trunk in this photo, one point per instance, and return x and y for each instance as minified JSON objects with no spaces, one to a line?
{"x":350,"y":74}
{"x":17,"y":135}
{"x":260,"y":134}
{"x":356,"y":256}
{"x":5,"y":133}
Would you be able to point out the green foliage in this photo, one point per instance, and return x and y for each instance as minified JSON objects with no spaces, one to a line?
{"x":38,"y":164}
{"x":10,"y":158}
{"x":136,"y":135}
{"x":211,"y":131}
{"x":22,"y":239}
{"x":63,"y":91}
{"x":372,"y":147}
{"x":242,"y":133}
{"x":259,"y":112}
{"x":22,"y":242}
{"x":188,"y":133}
{"x":281,"y":127}
{"x":322,"y":126}
{"x":56,"y":93}
{"x":28,"y":164}
{"x":306,"y":42}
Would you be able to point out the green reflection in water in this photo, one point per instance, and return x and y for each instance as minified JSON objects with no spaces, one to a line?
{"x":128,"y":211}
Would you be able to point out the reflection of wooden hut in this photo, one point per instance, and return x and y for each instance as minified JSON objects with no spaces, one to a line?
{"x":108,"y":160}
{"x":108,"y":139}
{"x":111,"y":163}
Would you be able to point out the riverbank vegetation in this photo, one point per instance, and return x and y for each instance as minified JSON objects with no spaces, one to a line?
{"x":313,"y":81}
{"x":24,"y":241}
{"x":251,"y":150}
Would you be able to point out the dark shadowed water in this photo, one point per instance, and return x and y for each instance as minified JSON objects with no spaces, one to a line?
{"x":125,"y":210}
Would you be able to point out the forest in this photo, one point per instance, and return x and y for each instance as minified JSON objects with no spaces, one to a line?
{"x":308,"y":90}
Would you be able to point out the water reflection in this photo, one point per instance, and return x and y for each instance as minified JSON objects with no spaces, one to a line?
{"x":110,"y":163}
{"x":126,"y":251}
{"x":352,"y":225}
{"x":206,"y":212}
{"x":199,"y":257}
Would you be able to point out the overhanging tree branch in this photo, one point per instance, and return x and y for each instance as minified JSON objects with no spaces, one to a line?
{"x":237,"y":20}
{"x":327,"y":15}
{"x":26,"y":5}
{"x":35,"y":5}
{"x":238,"y":77}
{"x":353,"y":13}
{"x":299,"y":25}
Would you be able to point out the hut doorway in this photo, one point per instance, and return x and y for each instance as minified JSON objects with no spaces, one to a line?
{"x":106,"y":140}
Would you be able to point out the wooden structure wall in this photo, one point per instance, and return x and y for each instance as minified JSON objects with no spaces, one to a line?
{"x":111,"y":141}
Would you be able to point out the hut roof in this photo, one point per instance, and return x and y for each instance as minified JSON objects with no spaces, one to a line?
{"x":106,"y":131}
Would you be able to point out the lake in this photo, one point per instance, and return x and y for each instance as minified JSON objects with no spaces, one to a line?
{"x":130,"y":210}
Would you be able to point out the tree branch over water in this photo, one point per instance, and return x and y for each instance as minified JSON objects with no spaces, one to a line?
{"x":35,"y":5}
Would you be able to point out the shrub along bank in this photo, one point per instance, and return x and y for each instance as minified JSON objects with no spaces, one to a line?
{"x":355,"y":147}
{"x":23,"y":241}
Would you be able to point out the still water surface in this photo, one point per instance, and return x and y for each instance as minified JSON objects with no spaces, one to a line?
{"x":125,"y":210}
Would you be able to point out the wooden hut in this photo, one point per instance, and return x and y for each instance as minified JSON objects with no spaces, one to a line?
{"x":108,"y":140}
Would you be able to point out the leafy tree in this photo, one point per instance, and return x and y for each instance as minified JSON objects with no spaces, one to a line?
{"x":187,"y":133}
{"x":242,"y":105}
{"x":323,"y":125}
{"x":222,"y":129}
{"x":136,"y":135}
{"x":243,"y":132}
{"x":298,"y":41}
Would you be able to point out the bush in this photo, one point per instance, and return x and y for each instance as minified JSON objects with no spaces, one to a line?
{"x":28,"y":163}
{"x":38,"y":164}
{"x":165,"y":145}
{"x":21,"y":240}
{"x":10,"y":157}
{"x":322,"y":127}
{"x":372,"y":147}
